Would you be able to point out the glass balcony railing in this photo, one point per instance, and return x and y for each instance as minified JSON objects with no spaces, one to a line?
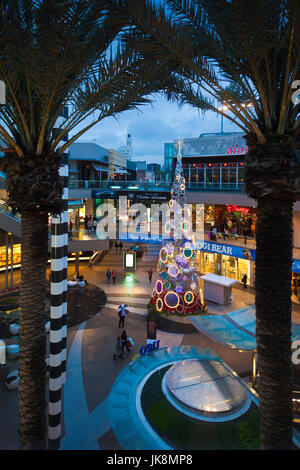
{"x":152,"y":186}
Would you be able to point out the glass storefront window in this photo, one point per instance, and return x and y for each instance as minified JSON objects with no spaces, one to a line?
{"x":235,"y":268}
{"x":201,"y":176}
{"x":243,"y":268}
{"x":225,"y":175}
{"x":241,"y":175}
{"x":229,"y":267}
{"x":194,"y":175}
{"x":232,"y":175}
{"x":16,"y":255}
{"x":216,"y":176}
{"x":207,"y":262}
{"x":209,"y":176}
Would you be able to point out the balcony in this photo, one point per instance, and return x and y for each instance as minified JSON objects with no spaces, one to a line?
{"x":112,"y":186}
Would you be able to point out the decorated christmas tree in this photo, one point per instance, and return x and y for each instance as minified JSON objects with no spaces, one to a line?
{"x":177,"y":289}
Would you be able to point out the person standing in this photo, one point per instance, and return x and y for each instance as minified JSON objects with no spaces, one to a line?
{"x":118,"y":349}
{"x":244,"y":281}
{"x":108,"y":275}
{"x":122,"y":311}
{"x":150,"y":274}
{"x":95,"y":223}
{"x":114,"y":275}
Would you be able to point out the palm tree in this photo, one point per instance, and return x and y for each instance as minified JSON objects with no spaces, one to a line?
{"x":246,"y":55}
{"x":52,"y":54}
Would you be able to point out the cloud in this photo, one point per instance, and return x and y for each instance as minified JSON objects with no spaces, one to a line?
{"x":153,"y":126}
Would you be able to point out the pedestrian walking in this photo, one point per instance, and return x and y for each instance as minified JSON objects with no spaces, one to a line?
{"x":124,"y":340}
{"x":108,"y":275}
{"x":116,"y":246}
{"x":86,"y":219}
{"x":114,"y":275}
{"x":89,"y":225}
{"x":226,"y":234}
{"x":244,"y":280}
{"x":121,"y":246}
{"x":150,"y":274}
{"x":245,"y":232}
{"x":118,"y":349}
{"x":95,"y":223}
{"x":122,"y":312}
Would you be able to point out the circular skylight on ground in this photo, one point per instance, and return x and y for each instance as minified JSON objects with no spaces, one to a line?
{"x":205,"y":387}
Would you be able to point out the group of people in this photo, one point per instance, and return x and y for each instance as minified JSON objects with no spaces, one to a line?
{"x":90,"y":223}
{"x":121,"y":343}
{"x":226,"y":234}
{"x":78,"y":280}
{"x":118,"y":246}
{"x":111,"y":275}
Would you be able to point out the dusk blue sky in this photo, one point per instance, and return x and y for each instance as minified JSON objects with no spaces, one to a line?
{"x":153,"y":126}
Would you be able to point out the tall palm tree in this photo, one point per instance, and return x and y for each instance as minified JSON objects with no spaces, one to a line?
{"x":246,"y":55}
{"x":54,"y":53}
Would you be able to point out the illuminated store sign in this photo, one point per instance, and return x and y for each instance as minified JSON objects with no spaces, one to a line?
{"x":236,"y":149}
{"x":234,"y":208}
{"x":235,"y":251}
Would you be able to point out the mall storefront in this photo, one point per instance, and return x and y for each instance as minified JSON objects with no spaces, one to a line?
{"x":233,"y":262}
{"x":225,"y":260}
{"x":235,"y":218}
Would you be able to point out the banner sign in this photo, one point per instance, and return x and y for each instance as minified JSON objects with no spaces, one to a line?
{"x":229,"y":250}
{"x":235,"y":251}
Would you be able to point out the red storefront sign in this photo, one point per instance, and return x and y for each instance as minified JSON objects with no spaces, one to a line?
{"x":236,"y":149}
{"x":234,"y":208}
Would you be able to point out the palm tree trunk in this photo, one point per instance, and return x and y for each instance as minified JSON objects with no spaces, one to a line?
{"x":32,"y":398}
{"x":274,"y":254}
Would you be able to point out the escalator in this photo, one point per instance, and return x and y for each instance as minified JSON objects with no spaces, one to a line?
{"x":9,"y":221}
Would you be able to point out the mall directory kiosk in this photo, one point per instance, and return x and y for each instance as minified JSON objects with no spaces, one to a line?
{"x":218,"y":289}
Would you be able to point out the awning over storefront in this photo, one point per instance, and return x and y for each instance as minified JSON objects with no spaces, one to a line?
{"x":75,"y":204}
{"x":99,"y":167}
{"x":121,"y":171}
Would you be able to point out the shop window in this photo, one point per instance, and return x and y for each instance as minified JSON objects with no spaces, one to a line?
{"x":208,"y":263}
{"x":209,"y":175}
{"x":243,"y":268}
{"x":16,"y":255}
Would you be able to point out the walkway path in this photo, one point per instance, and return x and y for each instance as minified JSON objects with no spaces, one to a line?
{"x":91,"y":370}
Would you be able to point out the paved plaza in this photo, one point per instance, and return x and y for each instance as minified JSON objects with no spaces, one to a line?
{"x":91,"y":370}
